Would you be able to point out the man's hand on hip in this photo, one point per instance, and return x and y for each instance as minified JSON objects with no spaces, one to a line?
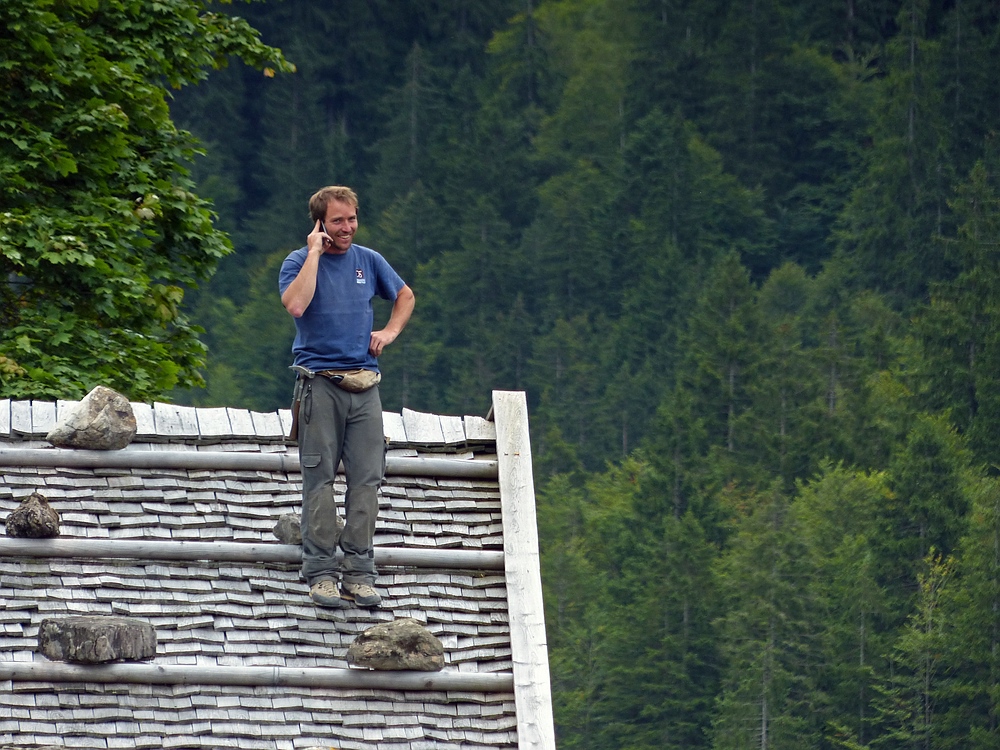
{"x":380,"y":340}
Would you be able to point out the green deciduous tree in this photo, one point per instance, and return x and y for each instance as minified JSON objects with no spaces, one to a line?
{"x":100,"y":232}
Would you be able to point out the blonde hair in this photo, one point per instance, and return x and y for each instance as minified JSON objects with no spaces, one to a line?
{"x":322,"y":197}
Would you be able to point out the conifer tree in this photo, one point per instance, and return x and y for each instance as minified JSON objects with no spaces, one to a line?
{"x":908,"y":696}
{"x":787,"y":417}
{"x":837,"y":513}
{"x":767,"y":690}
{"x":720,"y":345}
{"x":970,"y":711}
{"x":899,"y":202}
{"x":961,"y":327}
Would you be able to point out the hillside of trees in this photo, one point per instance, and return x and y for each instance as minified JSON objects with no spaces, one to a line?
{"x":742,"y":257}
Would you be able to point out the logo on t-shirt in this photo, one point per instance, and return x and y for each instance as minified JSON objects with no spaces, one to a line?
{"x":359,"y":275}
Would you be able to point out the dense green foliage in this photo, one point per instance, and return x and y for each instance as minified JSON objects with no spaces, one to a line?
{"x":742,"y":257}
{"x":100,"y":232}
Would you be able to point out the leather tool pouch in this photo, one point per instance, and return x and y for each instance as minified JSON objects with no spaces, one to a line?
{"x":355,"y":381}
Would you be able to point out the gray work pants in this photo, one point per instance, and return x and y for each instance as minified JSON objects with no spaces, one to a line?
{"x":336,"y":425}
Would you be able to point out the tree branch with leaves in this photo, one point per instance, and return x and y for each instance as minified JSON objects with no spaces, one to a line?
{"x":100,"y":232}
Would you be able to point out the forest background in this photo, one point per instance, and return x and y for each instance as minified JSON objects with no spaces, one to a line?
{"x":742,"y":257}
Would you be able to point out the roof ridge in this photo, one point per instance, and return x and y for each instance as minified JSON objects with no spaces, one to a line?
{"x":165,"y":422}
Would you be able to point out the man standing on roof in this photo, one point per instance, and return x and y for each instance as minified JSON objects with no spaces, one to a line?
{"x":328,"y":287}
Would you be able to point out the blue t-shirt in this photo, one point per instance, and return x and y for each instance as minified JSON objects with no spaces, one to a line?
{"x":335,"y":330}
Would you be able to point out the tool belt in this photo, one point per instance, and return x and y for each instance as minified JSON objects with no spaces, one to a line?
{"x":355,"y":381}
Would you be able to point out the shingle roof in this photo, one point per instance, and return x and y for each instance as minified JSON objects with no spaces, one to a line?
{"x":244,"y":622}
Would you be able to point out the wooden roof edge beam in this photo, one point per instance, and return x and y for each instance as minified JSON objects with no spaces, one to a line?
{"x":532,"y":686}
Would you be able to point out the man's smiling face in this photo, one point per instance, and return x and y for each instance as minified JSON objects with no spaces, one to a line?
{"x":341,"y":223}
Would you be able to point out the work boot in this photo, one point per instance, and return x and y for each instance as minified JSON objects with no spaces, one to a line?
{"x":325,"y":594}
{"x":361,"y":594}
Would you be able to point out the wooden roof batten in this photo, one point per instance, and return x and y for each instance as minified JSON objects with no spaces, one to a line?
{"x":161,"y":674}
{"x":413,"y":436}
{"x":238,"y":552}
{"x":132,"y":459}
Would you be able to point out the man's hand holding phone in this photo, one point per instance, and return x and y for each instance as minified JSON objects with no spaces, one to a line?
{"x":318,"y":240}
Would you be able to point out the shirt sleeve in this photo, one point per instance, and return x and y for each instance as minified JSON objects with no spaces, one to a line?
{"x":388,"y":282}
{"x":290,"y":268}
